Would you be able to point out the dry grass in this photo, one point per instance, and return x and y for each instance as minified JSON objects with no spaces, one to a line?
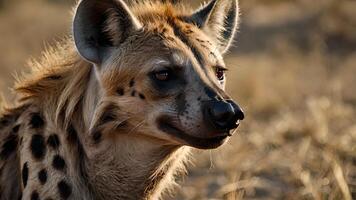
{"x":298,"y":142}
{"x":294,"y":73}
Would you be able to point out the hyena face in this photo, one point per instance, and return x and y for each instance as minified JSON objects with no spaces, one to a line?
{"x":161,"y":69}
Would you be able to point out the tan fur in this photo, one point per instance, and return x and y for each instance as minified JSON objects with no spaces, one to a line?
{"x":72,"y":96}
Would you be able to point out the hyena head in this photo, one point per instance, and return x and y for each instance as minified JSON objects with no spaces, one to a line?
{"x":160,"y":69}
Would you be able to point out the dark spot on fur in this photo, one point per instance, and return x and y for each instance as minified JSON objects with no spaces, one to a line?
{"x":133,"y":93}
{"x":72,"y":135}
{"x":42,"y":176}
{"x":122,"y":125}
{"x":120,"y":91}
{"x":9,"y":146}
{"x":142,"y":96}
{"x":16,"y":129}
{"x":4,"y":121}
{"x":53,"y":141}
{"x":36,"y":121}
{"x":132,"y":83}
{"x":188,"y":31}
{"x":199,"y":98}
{"x":58,"y":162}
{"x":64,"y":189}
{"x":97,"y":137}
{"x":24,"y":174}
{"x":204,"y":46}
{"x":109,"y":114}
{"x":170,"y":39}
{"x":54,"y":77}
{"x":108,"y":117}
{"x":35,"y":195}
{"x":213,"y":54}
{"x":37,"y":146}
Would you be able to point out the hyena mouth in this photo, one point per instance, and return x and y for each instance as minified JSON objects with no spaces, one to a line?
{"x":167,"y":125}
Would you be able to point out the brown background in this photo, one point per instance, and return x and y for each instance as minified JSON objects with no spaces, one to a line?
{"x":293,"y":69}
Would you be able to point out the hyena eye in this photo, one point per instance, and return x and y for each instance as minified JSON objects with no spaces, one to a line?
{"x":163,"y":75}
{"x":220,"y":73}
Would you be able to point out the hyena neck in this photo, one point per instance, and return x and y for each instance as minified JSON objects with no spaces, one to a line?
{"x":141,"y":171}
{"x":131,"y":166}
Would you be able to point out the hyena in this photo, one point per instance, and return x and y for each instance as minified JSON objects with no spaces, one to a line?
{"x":112,"y":111}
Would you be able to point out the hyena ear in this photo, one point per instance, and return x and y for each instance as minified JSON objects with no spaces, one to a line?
{"x":219,"y":19}
{"x":100,"y":25}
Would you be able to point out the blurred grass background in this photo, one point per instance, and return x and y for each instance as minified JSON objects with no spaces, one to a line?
{"x":293,"y":69}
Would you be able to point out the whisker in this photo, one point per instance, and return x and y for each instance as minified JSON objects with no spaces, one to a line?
{"x":211,"y":160}
{"x":137,"y":126}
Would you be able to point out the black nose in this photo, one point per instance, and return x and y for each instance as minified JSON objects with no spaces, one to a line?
{"x":239,"y":113}
{"x":224,"y":114}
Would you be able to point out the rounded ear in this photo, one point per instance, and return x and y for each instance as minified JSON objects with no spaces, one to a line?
{"x":100,"y":25}
{"x":219,"y":19}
